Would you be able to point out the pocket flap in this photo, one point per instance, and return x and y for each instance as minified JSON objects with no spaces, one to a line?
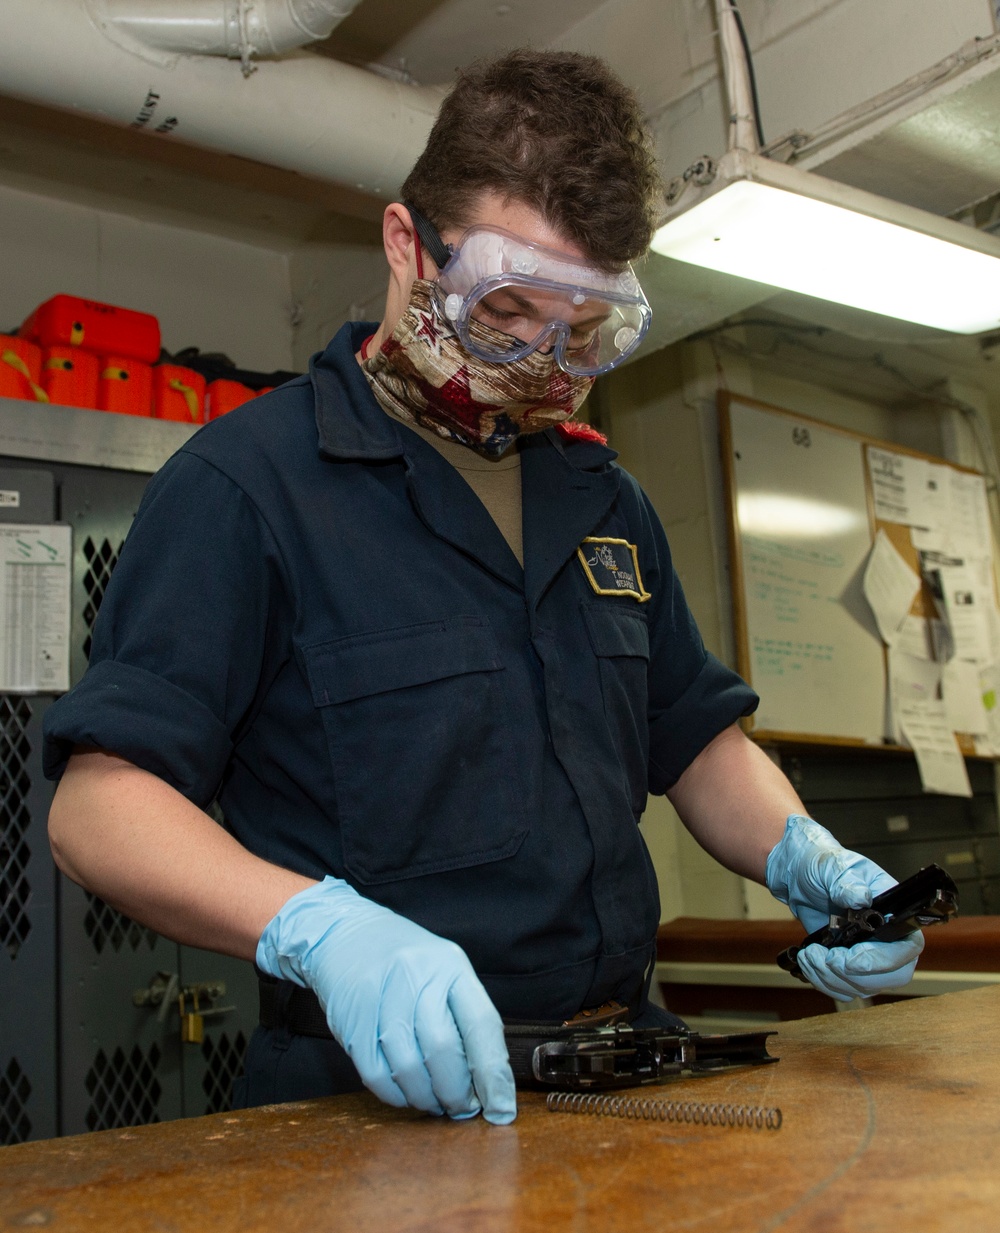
{"x":366,"y":664}
{"x":617,"y":631}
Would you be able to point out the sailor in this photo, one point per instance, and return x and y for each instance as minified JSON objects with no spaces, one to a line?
{"x":412,"y":627}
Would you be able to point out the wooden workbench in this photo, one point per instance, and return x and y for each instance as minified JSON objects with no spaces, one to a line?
{"x":891,"y":1122}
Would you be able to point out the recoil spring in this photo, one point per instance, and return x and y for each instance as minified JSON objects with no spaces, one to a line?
{"x":743,"y":1117}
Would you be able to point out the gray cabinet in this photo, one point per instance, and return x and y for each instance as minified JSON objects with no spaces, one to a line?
{"x":76,"y":1054}
{"x":873,"y":802}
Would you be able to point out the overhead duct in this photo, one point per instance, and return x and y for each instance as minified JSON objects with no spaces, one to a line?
{"x":235,"y":28}
{"x":303,"y":112}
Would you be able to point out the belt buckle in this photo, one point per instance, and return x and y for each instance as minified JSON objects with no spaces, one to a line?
{"x":606,"y":1015}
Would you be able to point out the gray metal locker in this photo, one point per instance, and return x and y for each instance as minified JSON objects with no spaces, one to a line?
{"x":28,"y":979}
{"x":76,"y":1053}
{"x":28,"y":1075}
{"x":873,"y":802}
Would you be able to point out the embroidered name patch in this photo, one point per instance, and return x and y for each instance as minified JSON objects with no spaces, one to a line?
{"x":612,"y":567}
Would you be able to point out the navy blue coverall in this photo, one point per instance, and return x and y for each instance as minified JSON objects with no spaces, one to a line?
{"x":316,"y":621}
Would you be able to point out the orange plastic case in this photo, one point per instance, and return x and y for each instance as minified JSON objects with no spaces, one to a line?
{"x":20,"y":369}
{"x":178,"y":394}
{"x":68,"y":321}
{"x":225,"y":396}
{"x":70,"y":376}
{"x":125,"y":385}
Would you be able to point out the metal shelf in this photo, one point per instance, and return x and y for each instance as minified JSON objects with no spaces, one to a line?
{"x":51,"y":433}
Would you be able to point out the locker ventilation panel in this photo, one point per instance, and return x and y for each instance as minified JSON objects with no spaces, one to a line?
{"x":107,"y":927}
{"x":15,"y":890}
{"x":15,"y":1126}
{"x":101,"y":559}
{"x":123,"y":1089}
{"x":223,"y":1063}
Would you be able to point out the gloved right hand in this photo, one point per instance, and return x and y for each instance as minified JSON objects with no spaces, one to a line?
{"x":405,"y":1004}
{"x":810,"y":871}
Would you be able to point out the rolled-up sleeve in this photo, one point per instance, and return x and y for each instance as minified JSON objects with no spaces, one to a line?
{"x":179,"y":646}
{"x":692,"y":695}
{"x":716,"y":698}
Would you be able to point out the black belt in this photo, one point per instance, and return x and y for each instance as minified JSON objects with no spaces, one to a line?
{"x":284,"y":1004}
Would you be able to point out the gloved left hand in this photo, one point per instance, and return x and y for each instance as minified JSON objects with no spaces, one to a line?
{"x":810,"y":872}
{"x":405,"y":1004}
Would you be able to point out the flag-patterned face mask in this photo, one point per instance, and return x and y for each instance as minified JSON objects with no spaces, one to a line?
{"x":424,"y":374}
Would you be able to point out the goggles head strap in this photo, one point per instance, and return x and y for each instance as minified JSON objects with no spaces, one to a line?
{"x":428,"y":234}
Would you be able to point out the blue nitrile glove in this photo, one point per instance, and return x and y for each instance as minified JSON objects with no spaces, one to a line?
{"x":404,"y":1003}
{"x":809,"y":870}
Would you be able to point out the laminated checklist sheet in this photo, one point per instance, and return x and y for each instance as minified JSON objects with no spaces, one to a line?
{"x":35,"y":563}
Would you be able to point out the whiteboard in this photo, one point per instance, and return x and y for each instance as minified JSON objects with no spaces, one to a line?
{"x":801,"y":533}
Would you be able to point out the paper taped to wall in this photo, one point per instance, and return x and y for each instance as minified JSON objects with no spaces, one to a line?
{"x":963,"y":697}
{"x":942,"y":768}
{"x":890,"y":587}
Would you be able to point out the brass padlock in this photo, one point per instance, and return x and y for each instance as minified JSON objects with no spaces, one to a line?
{"x":192,"y":1023}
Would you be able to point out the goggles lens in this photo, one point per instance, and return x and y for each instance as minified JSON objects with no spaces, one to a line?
{"x":507,"y":297}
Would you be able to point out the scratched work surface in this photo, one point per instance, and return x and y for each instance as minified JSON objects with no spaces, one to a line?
{"x":892,"y":1122}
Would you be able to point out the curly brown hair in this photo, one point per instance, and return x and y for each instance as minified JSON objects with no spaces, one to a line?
{"x":554,"y":130}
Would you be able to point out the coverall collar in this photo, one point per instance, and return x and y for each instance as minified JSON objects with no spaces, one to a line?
{"x":350,"y":421}
{"x":568,"y":485}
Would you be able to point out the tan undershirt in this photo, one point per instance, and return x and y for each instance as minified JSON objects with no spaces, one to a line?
{"x":495,"y":481}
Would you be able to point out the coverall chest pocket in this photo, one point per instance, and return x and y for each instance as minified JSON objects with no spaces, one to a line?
{"x":619,"y":637}
{"x":421,"y":749}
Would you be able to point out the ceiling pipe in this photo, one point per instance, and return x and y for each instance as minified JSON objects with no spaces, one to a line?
{"x":238,"y":29}
{"x":736,"y":75}
{"x":303,"y":112}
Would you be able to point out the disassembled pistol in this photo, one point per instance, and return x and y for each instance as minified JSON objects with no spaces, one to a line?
{"x":571,"y":1058}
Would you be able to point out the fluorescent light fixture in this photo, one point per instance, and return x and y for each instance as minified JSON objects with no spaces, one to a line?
{"x":780,"y":225}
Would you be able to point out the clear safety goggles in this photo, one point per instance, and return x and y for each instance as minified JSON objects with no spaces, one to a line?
{"x":533,"y":297}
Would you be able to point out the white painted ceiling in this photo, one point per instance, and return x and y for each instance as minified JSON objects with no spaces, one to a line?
{"x":429,"y":40}
{"x":943,"y":158}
